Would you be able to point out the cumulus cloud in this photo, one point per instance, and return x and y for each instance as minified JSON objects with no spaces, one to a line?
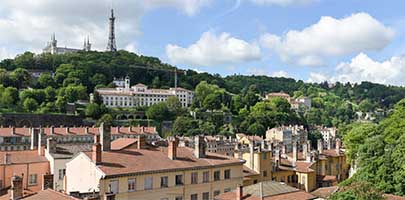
{"x":280,"y":73}
{"x":27,"y":25}
{"x":212,"y":49}
{"x":283,"y":2}
{"x":330,"y":37}
{"x":363,"y":68}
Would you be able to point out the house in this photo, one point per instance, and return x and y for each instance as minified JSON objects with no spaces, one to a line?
{"x":148,"y":172}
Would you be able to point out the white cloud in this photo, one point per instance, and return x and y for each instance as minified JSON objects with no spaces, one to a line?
{"x":258,"y":71}
{"x":283,"y":2}
{"x":363,"y":68}
{"x":212,"y":49}
{"x":280,"y":73}
{"x":27,"y":25}
{"x":4,"y":54}
{"x":317,"y":77}
{"x":330,"y":37}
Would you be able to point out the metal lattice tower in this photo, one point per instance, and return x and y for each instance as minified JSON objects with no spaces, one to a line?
{"x":111,"y":38}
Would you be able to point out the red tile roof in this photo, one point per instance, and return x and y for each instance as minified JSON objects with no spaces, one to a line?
{"x":22,"y":157}
{"x":325,"y":192}
{"x":129,"y":161}
{"x":49,"y":194}
{"x":78,"y":131}
{"x":122,"y":143}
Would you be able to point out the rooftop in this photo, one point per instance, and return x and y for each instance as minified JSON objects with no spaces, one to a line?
{"x":268,"y":190}
{"x":47,"y":194}
{"x":130,"y":161}
{"x":4,"y":132}
{"x":22,"y":157}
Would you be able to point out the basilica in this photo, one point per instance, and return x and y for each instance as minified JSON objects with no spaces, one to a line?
{"x":53,"y":48}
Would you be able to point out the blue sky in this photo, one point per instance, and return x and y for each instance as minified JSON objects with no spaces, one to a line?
{"x":311,"y":40}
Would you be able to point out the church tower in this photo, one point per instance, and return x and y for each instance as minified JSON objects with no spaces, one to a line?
{"x":53,"y":44}
{"x":112,"y":47}
{"x":86,"y":44}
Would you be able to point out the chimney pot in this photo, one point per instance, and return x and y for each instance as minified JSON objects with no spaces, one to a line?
{"x":16,"y":188}
{"x":199,"y":147}
{"x":172,"y":148}
{"x":239,"y":192}
{"x":141,"y":141}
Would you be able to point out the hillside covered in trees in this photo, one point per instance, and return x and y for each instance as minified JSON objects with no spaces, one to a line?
{"x":74,"y":76}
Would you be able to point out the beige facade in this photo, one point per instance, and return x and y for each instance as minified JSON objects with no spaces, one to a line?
{"x":175,"y":191}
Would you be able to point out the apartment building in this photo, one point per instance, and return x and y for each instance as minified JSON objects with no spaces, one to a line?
{"x":12,"y":138}
{"x":141,"y":95}
{"x":147,"y":172}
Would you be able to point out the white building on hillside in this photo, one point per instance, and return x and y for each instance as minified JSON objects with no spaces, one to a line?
{"x":141,"y":95}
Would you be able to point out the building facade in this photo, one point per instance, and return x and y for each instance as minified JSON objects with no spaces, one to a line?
{"x":141,"y":95}
{"x":165,"y":173}
{"x":52,"y":47}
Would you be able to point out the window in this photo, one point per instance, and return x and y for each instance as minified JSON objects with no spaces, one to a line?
{"x":179,"y":179}
{"x":164,"y":198}
{"x":194,"y":197}
{"x":206,"y":195}
{"x":131,"y":185}
{"x":113,"y":186}
{"x":264,"y":156}
{"x":206,"y":177}
{"x":148,"y":183}
{"x":265,"y":173}
{"x":227,"y":190}
{"x":289,"y":179}
{"x":303,"y":179}
{"x":217,"y":175}
{"x":179,"y":198}
{"x":194,"y":178}
{"x":227,"y":174}
{"x":62,"y":173}
{"x":164,"y":182}
{"x":216,"y":193}
{"x":32,"y":179}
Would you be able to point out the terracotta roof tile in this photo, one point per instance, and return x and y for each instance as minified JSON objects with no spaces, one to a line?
{"x":325,"y":192}
{"x":7,"y":132}
{"x":20,"y":157}
{"x":122,"y":143}
{"x":129,"y":161}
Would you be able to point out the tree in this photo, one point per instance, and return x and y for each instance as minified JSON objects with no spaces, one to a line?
{"x":21,"y":77}
{"x":30,"y":104}
{"x":212,"y":102}
{"x":256,"y":129}
{"x":93,"y":110}
{"x":174,"y":105}
{"x":358,"y":191}
{"x":183,"y":126}
{"x":98,"y":79}
{"x":159,"y":112}
{"x":46,"y":80}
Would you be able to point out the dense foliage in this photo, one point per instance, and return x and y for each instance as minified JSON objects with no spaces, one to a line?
{"x":378,"y":151}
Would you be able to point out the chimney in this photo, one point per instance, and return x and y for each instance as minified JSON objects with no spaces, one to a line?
{"x":309,"y":147}
{"x":251,"y":154}
{"x":96,"y":151}
{"x":141,"y":141}
{"x":263,"y":145}
{"x":239,"y":192}
{"x":40,"y":150}
{"x":320,"y":146}
{"x":86,"y":130}
{"x":278,"y":157}
{"x":13,"y":130}
{"x":7,"y":158}
{"x":105,"y":137}
{"x":142,"y":129}
{"x":172,"y":148}
{"x":118,"y":129}
{"x":329,"y":145}
{"x":16,"y":188}
{"x":51,"y":130}
{"x":34,"y":138}
{"x":199,"y":146}
{"x":51,"y":145}
{"x":338,"y":145}
{"x":283,"y":149}
{"x":304,"y":150}
{"x":129,"y":129}
{"x":295,"y":153}
{"x":67,"y":130}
